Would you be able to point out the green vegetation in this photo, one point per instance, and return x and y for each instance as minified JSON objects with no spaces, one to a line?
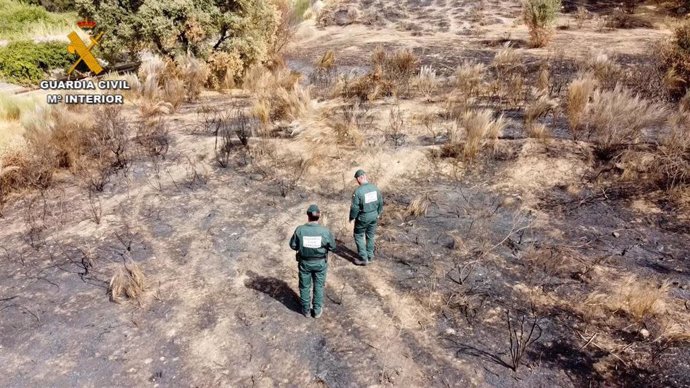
{"x":676,"y":61}
{"x":230,"y":35}
{"x":20,"y":20}
{"x":26,"y":62}
{"x":539,"y":15}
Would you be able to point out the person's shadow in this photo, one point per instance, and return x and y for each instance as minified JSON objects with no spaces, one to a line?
{"x":344,"y":252}
{"x":276,"y":289}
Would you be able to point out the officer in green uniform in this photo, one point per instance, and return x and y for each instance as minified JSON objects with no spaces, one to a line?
{"x":312,"y":243}
{"x":367,"y":206}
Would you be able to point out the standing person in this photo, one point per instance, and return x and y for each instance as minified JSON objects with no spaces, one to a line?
{"x":312,"y":243}
{"x":367,"y":206}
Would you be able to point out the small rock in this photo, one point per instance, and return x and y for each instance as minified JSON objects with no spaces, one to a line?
{"x":450,"y":331}
{"x":615,"y":234}
{"x":644,"y":333}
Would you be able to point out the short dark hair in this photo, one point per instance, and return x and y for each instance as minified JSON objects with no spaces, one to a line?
{"x":313,"y":216}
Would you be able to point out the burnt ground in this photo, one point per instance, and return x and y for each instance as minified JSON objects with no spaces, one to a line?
{"x":520,"y":233}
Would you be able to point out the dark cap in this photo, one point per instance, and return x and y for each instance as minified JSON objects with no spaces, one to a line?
{"x":313,"y":209}
{"x":359,"y":173}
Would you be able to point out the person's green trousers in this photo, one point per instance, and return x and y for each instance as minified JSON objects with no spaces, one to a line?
{"x":365,"y":236}
{"x":312,"y":272}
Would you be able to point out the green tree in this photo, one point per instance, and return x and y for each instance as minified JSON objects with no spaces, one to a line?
{"x":240,"y":29}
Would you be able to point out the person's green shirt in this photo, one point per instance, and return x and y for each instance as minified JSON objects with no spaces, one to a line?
{"x":367,"y":203}
{"x":312,"y":241}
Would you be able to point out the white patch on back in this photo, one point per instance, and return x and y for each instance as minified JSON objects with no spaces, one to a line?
{"x":311,"y":241}
{"x":370,"y":197}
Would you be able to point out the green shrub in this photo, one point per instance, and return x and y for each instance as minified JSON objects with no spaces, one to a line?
{"x":675,"y":59}
{"x":26,"y":62}
{"x":54,"y":5}
{"x":539,"y":15}
{"x":19,"y":19}
{"x":243,"y":29}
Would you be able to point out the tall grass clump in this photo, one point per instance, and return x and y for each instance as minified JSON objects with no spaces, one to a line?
{"x":617,"y":117}
{"x":578,"y":96}
{"x":480,"y":129}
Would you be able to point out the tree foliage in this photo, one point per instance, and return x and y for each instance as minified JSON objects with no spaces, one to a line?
{"x":243,"y":30}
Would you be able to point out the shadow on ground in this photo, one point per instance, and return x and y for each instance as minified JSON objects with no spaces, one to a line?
{"x":344,"y":252}
{"x":275,"y":288}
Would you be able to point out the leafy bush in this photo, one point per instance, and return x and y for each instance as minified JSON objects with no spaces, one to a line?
{"x":243,"y":30}
{"x":54,"y":5}
{"x":27,"y":62}
{"x":675,"y":57}
{"x":22,"y":21}
{"x":538,"y":16}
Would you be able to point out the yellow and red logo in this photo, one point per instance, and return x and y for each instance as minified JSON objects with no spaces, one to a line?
{"x":78,"y":47}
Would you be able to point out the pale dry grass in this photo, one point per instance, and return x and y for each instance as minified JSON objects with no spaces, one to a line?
{"x":618,"y":117}
{"x":427,"y":81}
{"x":636,"y":297}
{"x":457,"y":104}
{"x":128,"y":282}
{"x":539,"y":131}
{"x":604,"y":70}
{"x":279,"y":96}
{"x":161,"y":91}
{"x":194,"y":73}
{"x":481,"y":129}
{"x":540,"y":108}
{"x":469,"y":77}
{"x":419,"y":206}
{"x":578,"y":96}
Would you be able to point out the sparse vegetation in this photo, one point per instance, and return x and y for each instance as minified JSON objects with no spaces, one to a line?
{"x":523,"y":334}
{"x":128,"y":282}
{"x":469,"y":78}
{"x":480,"y":129}
{"x":618,"y":117}
{"x":579,"y":94}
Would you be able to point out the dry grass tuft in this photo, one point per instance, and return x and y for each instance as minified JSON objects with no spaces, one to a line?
{"x":279,"y":95}
{"x":672,"y":164}
{"x":607,"y":72}
{"x":510,"y":78}
{"x":538,"y":131}
{"x":128,"y":282}
{"x":618,"y":117}
{"x":539,"y":109}
{"x":419,"y":206}
{"x":346,"y":124}
{"x":578,"y":96}
{"x":469,"y":77}
{"x":480,"y":128}
{"x":638,"y":298}
{"x":325,"y":70}
{"x":427,"y":81}
{"x":161,"y":90}
{"x":457,"y":105}
{"x":194,"y":75}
